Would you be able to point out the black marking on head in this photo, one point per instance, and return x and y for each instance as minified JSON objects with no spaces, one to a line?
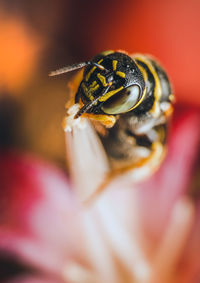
{"x":90,"y":104}
{"x":107,"y":74}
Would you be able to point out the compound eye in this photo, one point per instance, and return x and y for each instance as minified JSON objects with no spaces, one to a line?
{"x":122,"y":101}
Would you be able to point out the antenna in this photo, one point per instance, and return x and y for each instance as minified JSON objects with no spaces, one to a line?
{"x":75,"y":67}
{"x":68,"y":69}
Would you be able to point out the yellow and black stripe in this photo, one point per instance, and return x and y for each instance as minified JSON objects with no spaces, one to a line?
{"x":157,"y":84}
{"x":132,"y":97}
{"x":126,"y":71}
{"x":95,"y":81}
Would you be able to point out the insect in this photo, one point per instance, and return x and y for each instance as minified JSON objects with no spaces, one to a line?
{"x":131,"y":97}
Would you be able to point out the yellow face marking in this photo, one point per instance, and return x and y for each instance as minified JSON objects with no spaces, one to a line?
{"x":114,"y":63}
{"x":93,"y":84}
{"x":90,"y":73}
{"x":87,"y":77}
{"x":121,"y":74}
{"x":94,"y":88}
{"x":87,"y":92}
{"x":109,"y":94}
{"x":90,"y":90}
{"x":102,"y":79}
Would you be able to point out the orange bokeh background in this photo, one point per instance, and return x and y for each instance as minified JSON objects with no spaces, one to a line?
{"x":19,"y":53}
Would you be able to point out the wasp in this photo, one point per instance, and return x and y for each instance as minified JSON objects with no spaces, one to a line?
{"x":132,"y":98}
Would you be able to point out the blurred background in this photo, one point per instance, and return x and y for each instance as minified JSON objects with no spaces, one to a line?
{"x":39,"y":36}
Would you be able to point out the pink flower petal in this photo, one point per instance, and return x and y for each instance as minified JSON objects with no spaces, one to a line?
{"x":189,"y":268}
{"x":158,"y":194}
{"x":38,"y":219}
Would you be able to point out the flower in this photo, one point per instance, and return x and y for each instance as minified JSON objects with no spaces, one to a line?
{"x":147,"y":232}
